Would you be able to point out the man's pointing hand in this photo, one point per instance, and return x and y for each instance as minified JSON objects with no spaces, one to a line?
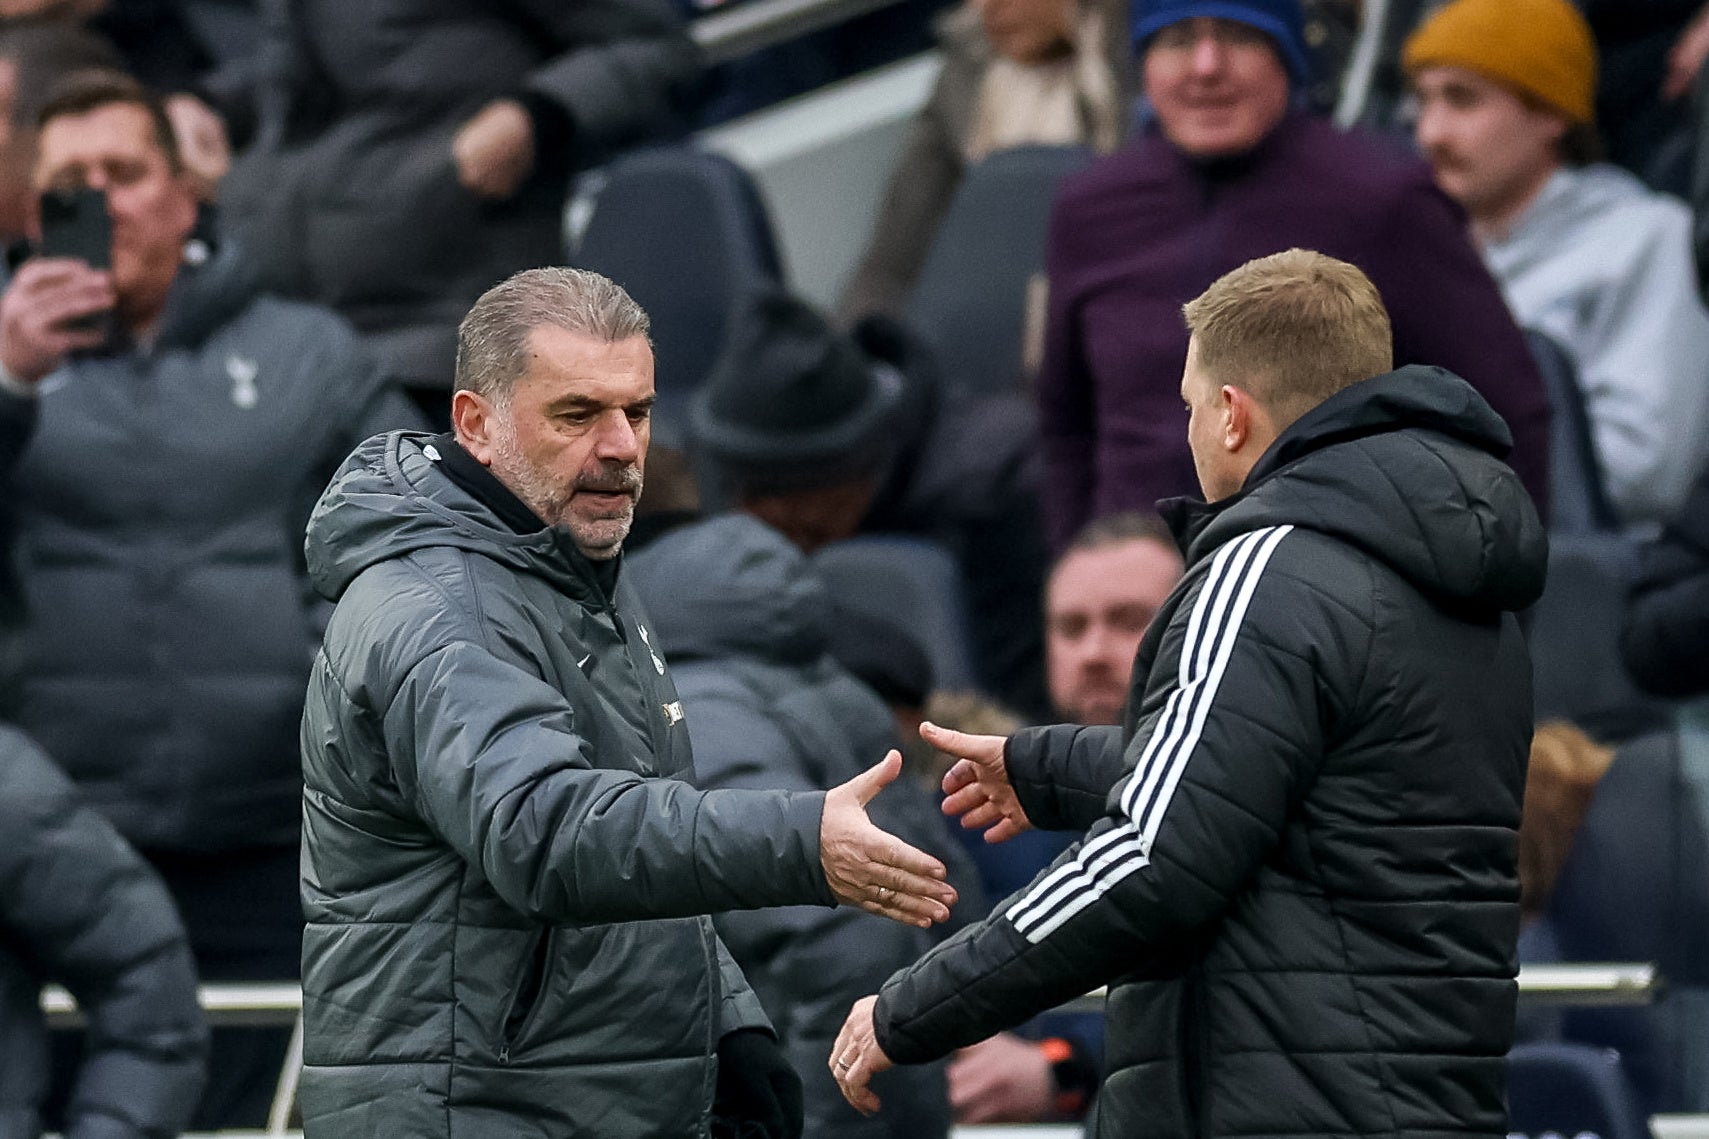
{"x":871,"y":868}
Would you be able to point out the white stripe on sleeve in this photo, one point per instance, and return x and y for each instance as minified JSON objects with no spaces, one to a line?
{"x":1211,"y":631}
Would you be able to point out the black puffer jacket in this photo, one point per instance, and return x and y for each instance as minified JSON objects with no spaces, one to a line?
{"x":503,"y":870}
{"x":743,"y":622}
{"x":78,"y":907}
{"x":1300,"y":878}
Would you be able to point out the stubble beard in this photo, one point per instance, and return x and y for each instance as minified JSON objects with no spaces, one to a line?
{"x":600,"y":537}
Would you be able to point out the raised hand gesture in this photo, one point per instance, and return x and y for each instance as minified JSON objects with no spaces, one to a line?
{"x":977,"y":788}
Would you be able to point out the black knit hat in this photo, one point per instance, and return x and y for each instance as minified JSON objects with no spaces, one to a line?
{"x":791,"y":403}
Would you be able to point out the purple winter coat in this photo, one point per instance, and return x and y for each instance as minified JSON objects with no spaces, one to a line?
{"x":1141,"y":232}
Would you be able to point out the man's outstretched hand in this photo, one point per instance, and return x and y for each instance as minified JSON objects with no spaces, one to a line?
{"x":977,"y":787}
{"x":871,"y":868}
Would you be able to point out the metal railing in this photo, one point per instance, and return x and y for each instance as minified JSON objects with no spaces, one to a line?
{"x":755,"y":24}
{"x":276,"y":1006}
{"x":1599,"y":985}
{"x":229,"y":1006}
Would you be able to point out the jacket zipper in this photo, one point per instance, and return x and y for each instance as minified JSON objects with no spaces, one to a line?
{"x":1194,"y":1100}
{"x":530,"y":994}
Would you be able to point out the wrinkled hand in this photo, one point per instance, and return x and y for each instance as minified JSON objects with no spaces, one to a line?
{"x":202,"y":143}
{"x":1685,"y":58}
{"x":977,"y":787}
{"x":871,"y":868}
{"x":1001,"y":1080}
{"x":856,"y":1056}
{"x":494,"y":150}
{"x":37,"y":309}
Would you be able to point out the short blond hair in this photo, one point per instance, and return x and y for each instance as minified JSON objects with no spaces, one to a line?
{"x":1292,"y":329}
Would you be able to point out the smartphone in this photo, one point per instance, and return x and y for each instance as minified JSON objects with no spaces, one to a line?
{"x":75,"y":224}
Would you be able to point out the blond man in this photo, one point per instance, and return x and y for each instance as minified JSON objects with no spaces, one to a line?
{"x":1298,"y":876}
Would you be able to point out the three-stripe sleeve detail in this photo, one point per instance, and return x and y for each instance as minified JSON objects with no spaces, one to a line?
{"x":1212,"y":629}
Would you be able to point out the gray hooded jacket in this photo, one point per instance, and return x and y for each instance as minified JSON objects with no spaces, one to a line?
{"x":502,"y":870}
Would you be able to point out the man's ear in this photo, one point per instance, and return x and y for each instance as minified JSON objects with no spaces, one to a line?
{"x":472,"y":420}
{"x":1237,"y":412}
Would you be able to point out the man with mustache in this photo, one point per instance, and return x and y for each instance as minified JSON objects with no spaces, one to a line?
{"x":1583,"y":251}
{"x":506,"y":873}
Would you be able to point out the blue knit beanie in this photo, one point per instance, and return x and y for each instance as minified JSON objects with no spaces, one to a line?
{"x":1281,"y":20}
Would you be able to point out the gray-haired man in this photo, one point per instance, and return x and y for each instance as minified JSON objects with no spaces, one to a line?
{"x":503,"y":876}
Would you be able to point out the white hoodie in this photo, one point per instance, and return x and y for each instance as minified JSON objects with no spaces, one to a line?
{"x":1602,"y":265}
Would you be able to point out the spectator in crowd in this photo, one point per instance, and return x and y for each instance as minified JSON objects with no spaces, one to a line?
{"x":496,"y":827}
{"x":1583,"y":251}
{"x":159,"y":466}
{"x":746,"y":628}
{"x":1101,"y":598}
{"x":34,"y":56}
{"x":80,"y":909}
{"x":1667,"y":608}
{"x":410,"y":155}
{"x":161,"y":42}
{"x":1233,"y":171}
{"x":1652,"y":52}
{"x":823,"y":436}
{"x":1015,"y":72}
{"x":1318,"y":782}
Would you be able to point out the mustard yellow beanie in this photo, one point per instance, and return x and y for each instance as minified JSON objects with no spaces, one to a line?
{"x":1540,"y":48}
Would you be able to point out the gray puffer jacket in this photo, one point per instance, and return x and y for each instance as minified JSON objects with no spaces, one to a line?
{"x":156,"y":501}
{"x":743,"y":622}
{"x":79,"y":908}
{"x":502,"y":866}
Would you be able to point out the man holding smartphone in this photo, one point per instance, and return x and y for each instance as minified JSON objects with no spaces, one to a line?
{"x":157,"y":468}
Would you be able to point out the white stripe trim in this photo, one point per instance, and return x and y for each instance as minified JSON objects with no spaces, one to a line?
{"x":1212,"y":629}
{"x":1077,"y":874}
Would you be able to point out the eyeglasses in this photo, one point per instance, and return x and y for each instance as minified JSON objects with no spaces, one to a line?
{"x":1185,"y":35}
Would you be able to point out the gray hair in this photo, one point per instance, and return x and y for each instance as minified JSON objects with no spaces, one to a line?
{"x":492,"y":341}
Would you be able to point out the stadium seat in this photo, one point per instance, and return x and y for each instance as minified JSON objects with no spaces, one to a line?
{"x":687,"y":233}
{"x":1579,"y":502}
{"x":912,"y":583}
{"x":1571,"y":1090}
{"x":1575,"y":640}
{"x":970,"y":300}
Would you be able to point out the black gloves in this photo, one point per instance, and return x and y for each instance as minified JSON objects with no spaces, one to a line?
{"x":759,"y":1094}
